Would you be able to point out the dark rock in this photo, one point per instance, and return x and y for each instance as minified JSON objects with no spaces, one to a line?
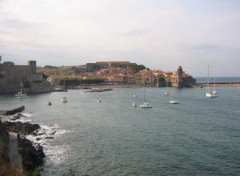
{"x":31,"y":157}
{"x":49,"y":137}
{"x":12,"y":111}
{"x":22,"y":128}
{"x":4,"y":140}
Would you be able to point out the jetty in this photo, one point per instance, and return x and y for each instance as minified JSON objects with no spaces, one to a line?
{"x":12,"y":111}
{"x":99,"y":89}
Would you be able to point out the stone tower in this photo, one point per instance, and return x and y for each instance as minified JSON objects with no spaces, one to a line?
{"x":179,"y":77}
{"x":33,"y":66}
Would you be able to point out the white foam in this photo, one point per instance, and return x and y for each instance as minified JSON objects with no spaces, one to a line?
{"x":28,"y":114}
{"x":45,"y":136}
{"x":56,"y":154}
{"x":21,"y":119}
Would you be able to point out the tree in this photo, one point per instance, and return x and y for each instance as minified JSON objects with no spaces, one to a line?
{"x":136,"y":68}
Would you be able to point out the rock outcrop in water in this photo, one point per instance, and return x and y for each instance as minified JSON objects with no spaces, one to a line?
{"x":32,"y":156}
{"x":22,"y":128}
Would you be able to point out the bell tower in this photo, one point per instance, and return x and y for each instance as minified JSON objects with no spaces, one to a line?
{"x":179,"y":77}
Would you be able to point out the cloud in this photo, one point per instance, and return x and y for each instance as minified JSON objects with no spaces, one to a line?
{"x":160,"y":34}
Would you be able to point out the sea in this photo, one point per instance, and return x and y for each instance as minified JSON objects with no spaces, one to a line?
{"x":85,"y":136}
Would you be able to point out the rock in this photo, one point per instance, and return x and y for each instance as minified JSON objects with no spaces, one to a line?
{"x":4,"y":140}
{"x":31,"y":157}
{"x":22,"y":128}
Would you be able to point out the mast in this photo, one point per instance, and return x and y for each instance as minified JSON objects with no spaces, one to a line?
{"x":144,"y":95}
{"x":208,"y":80}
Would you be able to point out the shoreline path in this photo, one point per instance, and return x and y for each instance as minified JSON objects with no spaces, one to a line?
{"x":14,"y":155}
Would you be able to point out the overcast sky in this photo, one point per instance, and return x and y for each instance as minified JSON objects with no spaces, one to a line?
{"x":160,"y":34}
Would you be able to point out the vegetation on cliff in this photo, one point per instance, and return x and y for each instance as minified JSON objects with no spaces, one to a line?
{"x":76,"y":81}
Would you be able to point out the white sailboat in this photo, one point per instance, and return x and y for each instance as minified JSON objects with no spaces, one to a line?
{"x":21,"y":94}
{"x":214,"y":90}
{"x":173,"y":100}
{"x":134,"y":95}
{"x":134,"y":104}
{"x":145,"y":104}
{"x":167,"y":92}
{"x":209,"y":94}
{"x":64,"y":99}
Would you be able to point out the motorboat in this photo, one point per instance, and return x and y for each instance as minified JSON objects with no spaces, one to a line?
{"x":145,"y":105}
{"x":173,"y":101}
{"x":64,"y":99}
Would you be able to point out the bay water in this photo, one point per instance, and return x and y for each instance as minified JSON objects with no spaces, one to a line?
{"x":199,"y":136}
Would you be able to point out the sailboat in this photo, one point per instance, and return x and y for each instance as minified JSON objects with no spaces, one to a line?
{"x":49,"y":102}
{"x":173,"y":100}
{"x":134,"y":104}
{"x":135,"y":95}
{"x":64,"y":99}
{"x":214,"y":90}
{"x":209,"y":94}
{"x":167,"y":92}
{"x":21,"y":94}
{"x":145,"y":104}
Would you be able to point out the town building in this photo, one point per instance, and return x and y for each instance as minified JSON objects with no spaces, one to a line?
{"x":13,"y":78}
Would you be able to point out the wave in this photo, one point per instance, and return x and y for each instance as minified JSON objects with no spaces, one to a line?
{"x":45,"y":137}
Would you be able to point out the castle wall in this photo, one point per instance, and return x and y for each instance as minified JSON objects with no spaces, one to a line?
{"x":13,"y":76}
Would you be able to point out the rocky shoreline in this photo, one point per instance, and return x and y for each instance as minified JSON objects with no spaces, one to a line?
{"x":32,"y":155}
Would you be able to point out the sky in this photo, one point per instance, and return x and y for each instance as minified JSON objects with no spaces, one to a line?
{"x":160,"y":34}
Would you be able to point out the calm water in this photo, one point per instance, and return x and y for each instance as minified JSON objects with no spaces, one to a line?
{"x":218,"y":79}
{"x":199,"y":136}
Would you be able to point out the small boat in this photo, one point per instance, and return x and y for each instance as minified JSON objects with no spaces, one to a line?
{"x":134,"y":104}
{"x":99,"y":101}
{"x":214,"y":90}
{"x":64,"y":99}
{"x":145,"y":104}
{"x":134,"y":95}
{"x":209,"y":94}
{"x":173,"y":101}
{"x":21,"y":94}
{"x":167,"y":92}
{"x":49,"y":103}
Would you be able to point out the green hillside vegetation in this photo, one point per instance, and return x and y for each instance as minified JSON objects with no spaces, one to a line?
{"x":76,"y":82}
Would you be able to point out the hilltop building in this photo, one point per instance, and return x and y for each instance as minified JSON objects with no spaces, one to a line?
{"x":13,"y":77}
{"x":106,"y":64}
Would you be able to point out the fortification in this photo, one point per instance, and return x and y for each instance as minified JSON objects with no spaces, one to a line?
{"x":14,"y":77}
